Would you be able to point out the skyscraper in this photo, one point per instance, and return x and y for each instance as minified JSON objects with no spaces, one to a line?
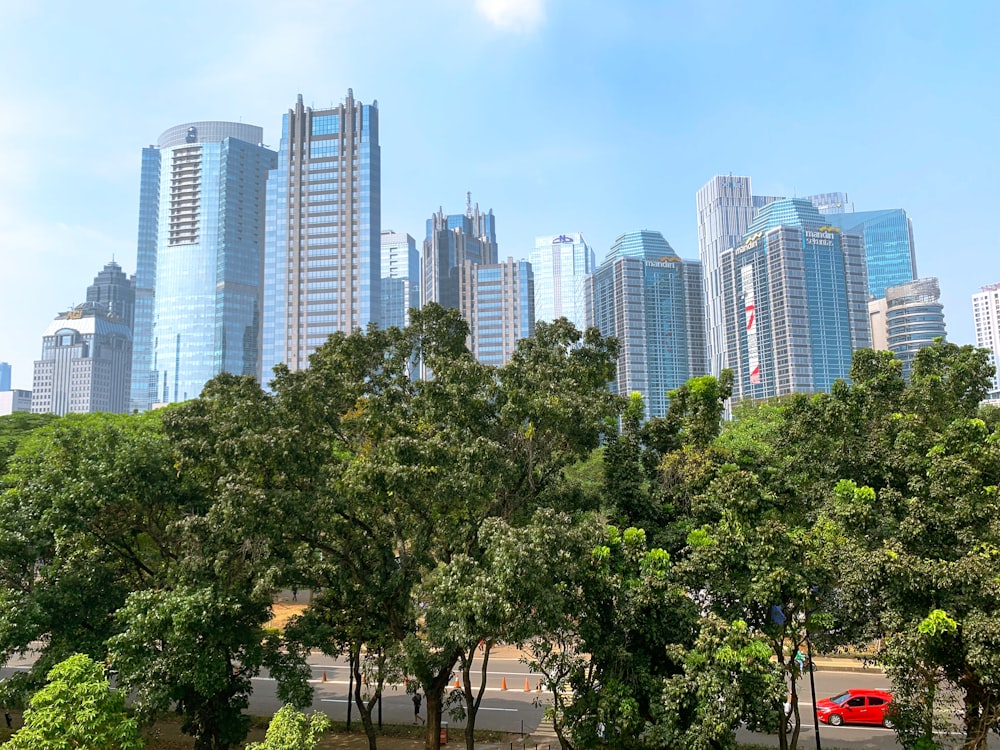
{"x":400,"y":278}
{"x":986,"y":316}
{"x":200,"y":244}
{"x":726,"y":206}
{"x":4,"y":376}
{"x":452,"y":245}
{"x":113,"y":289}
{"x":908,"y":318}
{"x":85,"y":365}
{"x":652,"y":301}
{"x":795,"y":297}
{"x":561,"y":265}
{"x":831,"y":203}
{"x":322,"y":268}
{"x":889,"y":247}
{"x":500,"y":309}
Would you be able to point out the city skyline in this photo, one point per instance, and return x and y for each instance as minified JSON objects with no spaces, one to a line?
{"x":914,"y":133}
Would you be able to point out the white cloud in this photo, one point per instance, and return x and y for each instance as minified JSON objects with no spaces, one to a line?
{"x":521,"y":16}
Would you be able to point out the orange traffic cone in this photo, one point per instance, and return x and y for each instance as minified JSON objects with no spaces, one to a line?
{"x":503,"y":683}
{"x":324,"y":675}
{"x":457,"y":684}
{"x":527,"y":687}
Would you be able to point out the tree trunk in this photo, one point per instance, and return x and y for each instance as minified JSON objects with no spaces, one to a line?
{"x":434,"y":693}
{"x":364,"y":707}
{"x":472,"y":701}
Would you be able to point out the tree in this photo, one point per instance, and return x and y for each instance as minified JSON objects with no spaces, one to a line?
{"x":290,"y":729}
{"x":77,"y":710}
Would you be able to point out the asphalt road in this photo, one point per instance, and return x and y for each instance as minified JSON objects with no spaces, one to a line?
{"x":517,"y":710}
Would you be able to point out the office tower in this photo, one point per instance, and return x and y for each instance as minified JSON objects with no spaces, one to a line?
{"x":14,"y":400}
{"x":561,"y":264}
{"x":86,"y":363}
{"x":795,"y":297}
{"x":889,"y":248}
{"x":4,"y":376}
{"x":113,"y":289}
{"x":831,"y":203}
{"x":322,"y":266}
{"x":400,"y":278}
{"x":500,"y":309}
{"x":200,"y":244}
{"x":907,"y":319}
{"x":653,"y":302}
{"x":986,"y":316}
{"x":452,"y":245}
{"x":726,"y":206}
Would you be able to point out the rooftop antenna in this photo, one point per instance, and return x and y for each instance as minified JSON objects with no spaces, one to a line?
{"x":468,"y":203}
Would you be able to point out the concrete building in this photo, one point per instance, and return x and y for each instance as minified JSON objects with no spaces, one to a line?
{"x":726,"y":206}
{"x":400,"y":278}
{"x":14,"y":400}
{"x":796,"y":302}
{"x":85,"y":365}
{"x":652,"y":301}
{"x":200,"y":245}
{"x":322,"y":265}
{"x":907,"y":319}
{"x":500,"y":309}
{"x":986,"y":317}
{"x":561,"y":264}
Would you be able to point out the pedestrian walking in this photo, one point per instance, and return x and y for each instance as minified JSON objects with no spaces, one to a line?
{"x":417,"y":699}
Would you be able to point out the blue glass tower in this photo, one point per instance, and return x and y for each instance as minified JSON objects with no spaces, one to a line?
{"x":322,"y":258}
{"x":653,"y":302}
{"x":561,"y":264}
{"x":889,"y":247}
{"x":452,"y":245}
{"x":4,"y":376}
{"x":400,"y":278}
{"x":795,"y":300}
{"x":201,"y":232}
{"x":500,"y":309}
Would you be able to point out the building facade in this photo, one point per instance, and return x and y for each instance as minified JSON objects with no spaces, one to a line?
{"x":452,"y":246}
{"x":726,"y":206}
{"x":85,"y":365}
{"x":653,"y":302}
{"x":561,"y":264}
{"x":322,"y":265}
{"x":14,"y":400}
{"x":4,"y":376}
{"x":113,"y":289}
{"x":796,"y":302}
{"x":200,"y":245}
{"x":831,"y":203}
{"x":400,"y":278}
{"x":908,"y":318}
{"x":889,"y":247}
{"x":500,"y":309}
{"x":986,"y":317}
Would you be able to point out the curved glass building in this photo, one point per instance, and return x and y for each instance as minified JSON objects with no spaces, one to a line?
{"x":200,"y":255}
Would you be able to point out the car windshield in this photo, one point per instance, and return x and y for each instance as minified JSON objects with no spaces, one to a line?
{"x":840,"y":699}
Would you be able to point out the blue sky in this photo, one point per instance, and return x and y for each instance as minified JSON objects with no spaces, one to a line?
{"x":560,"y":115}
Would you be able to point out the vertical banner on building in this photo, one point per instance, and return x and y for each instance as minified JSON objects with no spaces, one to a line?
{"x":750,"y":308}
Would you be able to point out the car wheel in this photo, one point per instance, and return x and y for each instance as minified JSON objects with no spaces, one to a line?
{"x":836,"y":720}
{"x":887,"y":722}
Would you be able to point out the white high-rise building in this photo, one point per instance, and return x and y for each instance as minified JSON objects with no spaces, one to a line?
{"x":726,"y":206}
{"x":561,"y":264}
{"x":986,"y":315}
{"x":400,"y":278}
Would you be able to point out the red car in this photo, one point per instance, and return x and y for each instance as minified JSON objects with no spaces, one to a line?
{"x":856,"y":707}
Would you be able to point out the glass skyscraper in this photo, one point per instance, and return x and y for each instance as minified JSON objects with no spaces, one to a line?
{"x":889,"y":246}
{"x":453,"y":244}
{"x":4,"y":376}
{"x":322,"y":265}
{"x":200,"y":245}
{"x":561,"y":264}
{"x":653,"y":302}
{"x":908,"y":318}
{"x":400,"y":278}
{"x":795,"y":297}
{"x":500,"y":309}
{"x":113,"y":289}
{"x":726,"y":206}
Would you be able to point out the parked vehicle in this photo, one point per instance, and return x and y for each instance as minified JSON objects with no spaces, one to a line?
{"x":856,"y":707}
